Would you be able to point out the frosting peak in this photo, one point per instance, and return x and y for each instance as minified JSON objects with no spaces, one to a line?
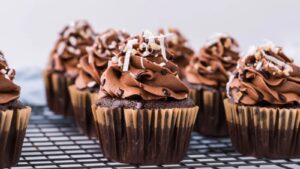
{"x":143,"y":70}
{"x":9,"y":91}
{"x":215,"y":62}
{"x":92,"y":65}
{"x":70,"y":46}
{"x":265,"y":75}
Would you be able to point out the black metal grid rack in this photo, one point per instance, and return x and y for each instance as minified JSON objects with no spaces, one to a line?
{"x":54,"y":142}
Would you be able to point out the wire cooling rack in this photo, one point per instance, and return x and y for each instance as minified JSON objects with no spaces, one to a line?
{"x":54,"y":142}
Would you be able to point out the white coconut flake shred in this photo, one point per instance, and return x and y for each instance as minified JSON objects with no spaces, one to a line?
{"x":162,"y":45}
{"x":142,"y":62}
{"x":163,"y":48}
{"x":129,"y":45}
{"x":89,"y":50}
{"x":231,"y":78}
{"x":251,"y":50}
{"x":115,"y":59}
{"x":92,"y":84}
{"x":214,"y":38}
{"x":259,"y":65}
{"x":162,"y":64}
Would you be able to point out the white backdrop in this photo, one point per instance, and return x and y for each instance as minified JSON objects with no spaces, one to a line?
{"x":29,"y":27}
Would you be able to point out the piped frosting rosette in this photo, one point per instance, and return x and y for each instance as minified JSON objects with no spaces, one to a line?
{"x":215,"y":62}
{"x":177,"y":45}
{"x":143,"y":70}
{"x":9,"y":91}
{"x":92,"y":65}
{"x":70,"y":46}
{"x":265,"y":76}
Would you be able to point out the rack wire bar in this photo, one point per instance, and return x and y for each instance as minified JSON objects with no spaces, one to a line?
{"x":53,"y":141}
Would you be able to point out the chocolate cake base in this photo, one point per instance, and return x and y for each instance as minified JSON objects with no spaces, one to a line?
{"x":57,"y":92}
{"x":270,"y":132}
{"x":148,"y":136}
{"x":143,"y":104}
{"x":16,"y":104}
{"x":211,"y":119}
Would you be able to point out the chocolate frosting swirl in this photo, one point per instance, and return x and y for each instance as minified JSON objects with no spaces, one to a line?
{"x":9,"y":91}
{"x":143,"y":71}
{"x":178,"y":46}
{"x":70,"y":46}
{"x":92,"y":65}
{"x":265,"y":76}
{"x":216,"y":60}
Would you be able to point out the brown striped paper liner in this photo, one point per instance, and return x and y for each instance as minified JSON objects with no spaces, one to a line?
{"x":144,"y":136}
{"x":82,"y":106}
{"x":211,"y":120}
{"x":57,"y":92}
{"x":264,"y":131}
{"x":13,"y":124}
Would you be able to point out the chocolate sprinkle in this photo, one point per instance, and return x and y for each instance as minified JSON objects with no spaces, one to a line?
{"x":120,"y":92}
{"x":163,"y":72}
{"x":166,"y":92}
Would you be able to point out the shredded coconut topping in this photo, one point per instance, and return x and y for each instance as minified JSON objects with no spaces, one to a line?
{"x":162,"y":64}
{"x":90,"y":55}
{"x":287,"y":67}
{"x":92,"y":84}
{"x":115,"y":59}
{"x":259,"y":65}
{"x":273,"y":62}
{"x":112,"y":45}
{"x":129,"y":46}
{"x":161,"y":39}
{"x":214,"y":38}
{"x":231,"y":78}
{"x":163,"y":49}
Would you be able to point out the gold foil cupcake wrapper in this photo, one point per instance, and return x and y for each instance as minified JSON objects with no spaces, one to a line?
{"x":264,"y":131}
{"x":211,"y":119}
{"x":57,"y":92}
{"x":81,"y":102}
{"x":144,"y":136}
{"x":13,"y":124}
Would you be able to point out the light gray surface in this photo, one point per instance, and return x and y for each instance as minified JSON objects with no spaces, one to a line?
{"x":29,"y":27}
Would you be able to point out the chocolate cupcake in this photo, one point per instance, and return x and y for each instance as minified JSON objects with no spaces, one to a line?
{"x":14,"y":117}
{"x":85,"y":90}
{"x":144,"y":115}
{"x":263,"y":105}
{"x":206,"y":76}
{"x":178,"y":46}
{"x":62,"y":67}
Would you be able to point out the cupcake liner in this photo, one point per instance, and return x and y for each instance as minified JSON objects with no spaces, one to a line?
{"x":81,"y":102}
{"x":144,"y":136}
{"x":211,"y":120}
{"x":57,"y":92}
{"x":94,"y":97}
{"x":13,"y":124}
{"x":48,"y":88}
{"x":264,"y":131}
